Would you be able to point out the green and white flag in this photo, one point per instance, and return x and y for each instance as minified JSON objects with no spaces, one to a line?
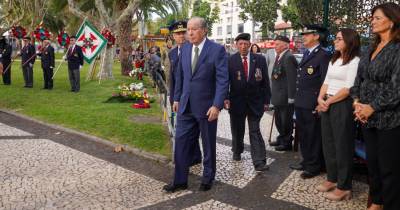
{"x":91,"y":41}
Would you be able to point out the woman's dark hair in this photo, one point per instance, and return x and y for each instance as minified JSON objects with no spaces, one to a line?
{"x":258,"y":48}
{"x":353,"y":45}
{"x":391,"y":11}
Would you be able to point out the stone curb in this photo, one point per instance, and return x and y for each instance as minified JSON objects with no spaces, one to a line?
{"x":135,"y":151}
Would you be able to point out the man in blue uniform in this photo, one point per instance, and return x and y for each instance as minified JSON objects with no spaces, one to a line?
{"x":5,"y":59}
{"x":249,"y":96}
{"x":310,"y":76}
{"x":28,"y":56}
{"x":75,"y":63}
{"x":178,"y":30}
{"x":47,"y":58}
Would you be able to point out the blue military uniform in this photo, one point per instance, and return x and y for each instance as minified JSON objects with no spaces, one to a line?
{"x":310,"y":77}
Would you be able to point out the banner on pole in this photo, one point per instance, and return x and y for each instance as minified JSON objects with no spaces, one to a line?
{"x":91,"y":41}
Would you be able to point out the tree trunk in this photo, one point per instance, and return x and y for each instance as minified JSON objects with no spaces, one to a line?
{"x":125,"y":44}
{"x":106,"y":64}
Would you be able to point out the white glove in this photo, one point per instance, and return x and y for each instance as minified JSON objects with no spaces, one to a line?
{"x":291,"y":100}
{"x":80,"y":67}
{"x":64,"y":57}
{"x":30,"y":65}
{"x":51,"y":67}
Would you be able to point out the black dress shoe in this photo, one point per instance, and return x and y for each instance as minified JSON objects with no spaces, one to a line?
{"x":307,"y":175}
{"x":236,"y":157}
{"x":283,"y":148}
{"x":274,"y":143}
{"x":261,"y":168}
{"x":296,"y":166}
{"x":174,"y":188}
{"x":205,"y":187}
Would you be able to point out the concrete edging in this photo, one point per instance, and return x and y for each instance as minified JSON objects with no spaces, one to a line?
{"x":135,"y":151}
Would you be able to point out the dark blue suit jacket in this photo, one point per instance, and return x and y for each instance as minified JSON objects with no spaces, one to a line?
{"x":75,"y":58}
{"x":208,"y":86}
{"x":310,"y":76}
{"x":248,"y":97}
{"x":174,"y":60}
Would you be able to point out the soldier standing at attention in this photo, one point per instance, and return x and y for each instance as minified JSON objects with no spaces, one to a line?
{"x":75,"y":63}
{"x":47,"y":58}
{"x":5,"y":59}
{"x":28,"y":56}
{"x":310,"y":76}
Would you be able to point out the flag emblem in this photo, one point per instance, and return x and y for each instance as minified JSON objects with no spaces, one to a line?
{"x":90,"y":40}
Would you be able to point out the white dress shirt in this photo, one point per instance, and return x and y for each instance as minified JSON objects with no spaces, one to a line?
{"x":200,"y":46}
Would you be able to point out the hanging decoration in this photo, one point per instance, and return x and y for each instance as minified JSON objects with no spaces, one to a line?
{"x":18,"y":32}
{"x":41,"y":33}
{"x":63,"y":39}
{"x":109,"y":36}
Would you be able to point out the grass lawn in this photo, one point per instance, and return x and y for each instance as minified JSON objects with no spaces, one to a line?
{"x":85,"y":111}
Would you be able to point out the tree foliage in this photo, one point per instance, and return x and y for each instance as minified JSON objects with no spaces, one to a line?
{"x":203,"y":9}
{"x":263,"y":11}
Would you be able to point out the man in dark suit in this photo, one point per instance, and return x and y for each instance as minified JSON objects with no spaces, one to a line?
{"x":249,"y":96}
{"x":28,"y":56}
{"x":178,"y":30}
{"x":283,"y":80}
{"x":75,"y":63}
{"x":310,"y":76}
{"x":47,"y":58}
{"x":5,"y":59}
{"x":201,"y":86}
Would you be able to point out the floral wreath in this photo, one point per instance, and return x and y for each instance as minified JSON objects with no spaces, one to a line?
{"x":63,"y":39}
{"x":41,"y":33}
{"x":18,"y":32}
{"x":109,"y":36}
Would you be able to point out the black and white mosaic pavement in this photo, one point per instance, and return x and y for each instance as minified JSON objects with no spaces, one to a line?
{"x":45,"y":168}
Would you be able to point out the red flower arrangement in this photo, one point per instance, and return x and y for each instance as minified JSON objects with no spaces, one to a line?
{"x":18,"y":32}
{"x":109,"y":36}
{"x":41,"y":33}
{"x":63,"y":39}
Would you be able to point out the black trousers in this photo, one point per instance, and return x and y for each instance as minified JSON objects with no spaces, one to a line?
{"x":74,"y":79}
{"x":284,"y":124}
{"x":7,"y":75}
{"x":338,"y":133}
{"x":383,"y":162}
{"x":308,"y":126}
{"x":27,"y":72}
{"x":257,"y":145}
{"x":48,"y":78}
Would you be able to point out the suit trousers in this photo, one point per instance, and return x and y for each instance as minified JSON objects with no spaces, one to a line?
{"x":338,"y":134}
{"x":7,"y":76}
{"x":257,"y":145}
{"x":284,"y":124}
{"x":188,"y":127}
{"x":308,"y":126}
{"x":383,"y":166}
{"x":74,"y":79}
{"x":48,"y":78}
{"x":27,"y":72}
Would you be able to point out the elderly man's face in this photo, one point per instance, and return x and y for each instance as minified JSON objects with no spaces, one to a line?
{"x":196,"y":33}
{"x":243,"y":46}
{"x":280,"y":46}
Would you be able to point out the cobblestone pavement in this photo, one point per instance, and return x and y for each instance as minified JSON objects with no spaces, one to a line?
{"x":45,"y":168}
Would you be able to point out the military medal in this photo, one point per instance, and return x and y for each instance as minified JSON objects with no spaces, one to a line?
{"x":310,"y":70}
{"x":258,"y":74}
{"x":239,"y":77}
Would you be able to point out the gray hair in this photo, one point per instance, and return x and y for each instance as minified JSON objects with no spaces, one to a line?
{"x":202,"y":22}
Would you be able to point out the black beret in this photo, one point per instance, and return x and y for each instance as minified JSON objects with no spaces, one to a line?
{"x":178,"y":26}
{"x":244,"y":36}
{"x":314,"y":29}
{"x":282,"y":38}
{"x":27,"y":38}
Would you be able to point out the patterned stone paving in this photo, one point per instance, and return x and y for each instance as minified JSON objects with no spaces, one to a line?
{"x":224,"y":128}
{"x":211,"y":205}
{"x":236,"y":173}
{"x":41,"y":174}
{"x":6,"y":130}
{"x":303,"y":192}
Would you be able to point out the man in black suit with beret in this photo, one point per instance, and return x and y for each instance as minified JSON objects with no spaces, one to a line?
{"x":48,"y":60}
{"x":283,"y":79}
{"x":310,"y":76}
{"x":28,"y":56}
{"x":248,"y":97}
{"x":75,"y":63}
{"x":5,"y":60}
